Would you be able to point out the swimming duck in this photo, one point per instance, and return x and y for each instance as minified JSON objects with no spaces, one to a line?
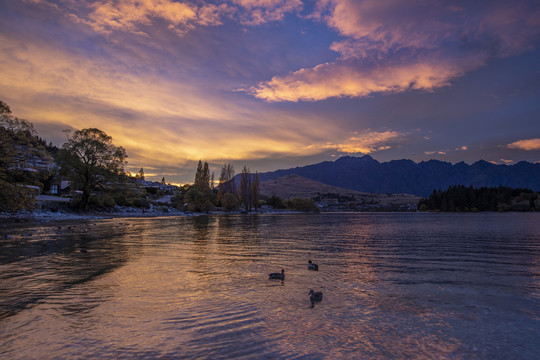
{"x":312,"y":266}
{"x":278,"y":276}
{"x":315,"y":297}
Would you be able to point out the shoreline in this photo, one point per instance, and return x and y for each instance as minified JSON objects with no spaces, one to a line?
{"x":41,"y":216}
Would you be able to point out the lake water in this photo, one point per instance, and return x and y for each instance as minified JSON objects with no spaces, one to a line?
{"x":395,"y":285}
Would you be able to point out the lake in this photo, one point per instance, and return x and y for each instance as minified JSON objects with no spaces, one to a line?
{"x":395,"y":286}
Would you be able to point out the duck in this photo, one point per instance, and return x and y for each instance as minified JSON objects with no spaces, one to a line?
{"x":278,"y":276}
{"x":312,"y":266}
{"x":315,"y":297}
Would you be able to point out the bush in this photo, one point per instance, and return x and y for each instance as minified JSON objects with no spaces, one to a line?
{"x":199,"y":201}
{"x":122,"y":200}
{"x":141,"y":203}
{"x":103,"y":201}
{"x":303,"y":204}
{"x":178,"y":201}
{"x":276,"y":202}
{"x":230,"y":202}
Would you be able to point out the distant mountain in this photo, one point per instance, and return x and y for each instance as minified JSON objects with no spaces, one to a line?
{"x":366,"y":174}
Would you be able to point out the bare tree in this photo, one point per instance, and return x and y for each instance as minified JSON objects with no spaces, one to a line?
{"x":245,"y":189}
{"x":255,"y":189}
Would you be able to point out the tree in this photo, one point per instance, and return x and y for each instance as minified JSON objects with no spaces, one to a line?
{"x":202,"y":177}
{"x":140,"y":175}
{"x":91,"y":160}
{"x":230,"y":202}
{"x":245,"y":188}
{"x":200,"y":197}
{"x":226,"y":181}
{"x":255,"y":188}
{"x":163,"y":181}
{"x":23,"y":161}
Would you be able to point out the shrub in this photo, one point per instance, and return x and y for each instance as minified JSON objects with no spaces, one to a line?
{"x":230,"y":202}
{"x":303,"y":204}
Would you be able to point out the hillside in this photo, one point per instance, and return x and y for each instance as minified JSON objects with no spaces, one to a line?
{"x":298,"y":186}
{"x":334,"y":198}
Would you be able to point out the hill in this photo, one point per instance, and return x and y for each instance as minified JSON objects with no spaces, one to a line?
{"x":332,"y":198}
{"x":365,"y":174}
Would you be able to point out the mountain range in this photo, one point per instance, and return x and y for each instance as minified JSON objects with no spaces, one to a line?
{"x":366,"y":174}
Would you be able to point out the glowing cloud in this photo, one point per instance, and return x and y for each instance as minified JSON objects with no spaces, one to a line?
{"x":257,"y":12}
{"x":132,"y":16}
{"x":347,"y":80}
{"x":435,"y":152}
{"x":365,"y":143}
{"x":126,"y":15}
{"x":393,"y":46}
{"x":530,"y":144}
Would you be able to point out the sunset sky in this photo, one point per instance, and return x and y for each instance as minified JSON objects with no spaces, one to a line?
{"x":278,"y":83}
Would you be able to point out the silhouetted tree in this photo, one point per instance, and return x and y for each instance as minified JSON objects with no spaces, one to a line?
{"x":230,"y":202}
{"x":140,"y":175}
{"x":255,"y":189}
{"x":200,"y":197}
{"x":91,"y":160}
{"x":461,"y":198}
{"x":245,"y":188}
{"x":226,"y":181}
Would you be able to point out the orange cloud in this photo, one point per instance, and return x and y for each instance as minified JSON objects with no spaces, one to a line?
{"x":530,"y":144}
{"x":435,"y":152}
{"x":258,"y":12}
{"x":394,"y":46}
{"x":505,"y":161}
{"x":346,"y":80}
{"x":127,"y":15}
{"x":365,"y":143}
{"x":132,"y":16}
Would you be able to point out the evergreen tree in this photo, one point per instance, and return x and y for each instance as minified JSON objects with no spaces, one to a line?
{"x":199,"y":197}
{"x":140,"y":175}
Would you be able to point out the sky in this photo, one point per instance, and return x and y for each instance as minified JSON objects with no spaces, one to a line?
{"x":274,"y":84}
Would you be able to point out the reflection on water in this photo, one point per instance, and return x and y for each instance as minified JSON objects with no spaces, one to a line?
{"x":395,"y":286}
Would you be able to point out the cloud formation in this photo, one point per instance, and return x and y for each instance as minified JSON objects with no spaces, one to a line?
{"x":162,"y":78}
{"x":256,"y":12}
{"x":366,"y":142}
{"x":391,"y":46}
{"x":107,"y":16}
{"x":529,"y":144}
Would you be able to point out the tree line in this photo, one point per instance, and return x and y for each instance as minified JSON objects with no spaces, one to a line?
{"x":463,"y":198}
{"x":204,"y":196}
